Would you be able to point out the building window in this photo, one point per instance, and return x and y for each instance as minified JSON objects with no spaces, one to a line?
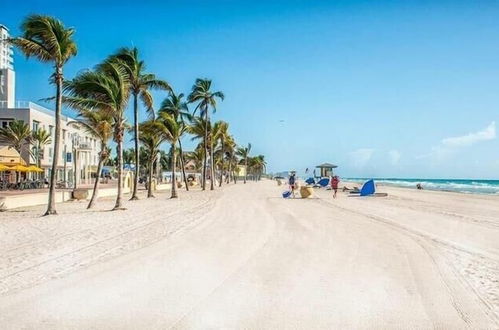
{"x":63,"y":135}
{"x":35,"y":125}
{"x":51,"y":130}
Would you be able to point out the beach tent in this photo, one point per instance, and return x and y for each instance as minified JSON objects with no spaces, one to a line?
{"x":368,"y":188}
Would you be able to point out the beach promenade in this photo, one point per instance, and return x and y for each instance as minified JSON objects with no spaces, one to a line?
{"x":243,"y":257}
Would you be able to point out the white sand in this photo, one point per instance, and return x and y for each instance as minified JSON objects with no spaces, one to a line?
{"x":243,"y":257}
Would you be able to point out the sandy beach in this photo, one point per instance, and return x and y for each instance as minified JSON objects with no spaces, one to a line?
{"x":243,"y":257}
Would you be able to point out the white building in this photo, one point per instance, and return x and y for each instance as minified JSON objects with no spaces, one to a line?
{"x":76,"y":144}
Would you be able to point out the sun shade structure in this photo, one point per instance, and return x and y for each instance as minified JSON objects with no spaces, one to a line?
{"x":34,"y":168}
{"x":326,"y":169}
{"x":4,"y":168}
{"x":18,"y":168}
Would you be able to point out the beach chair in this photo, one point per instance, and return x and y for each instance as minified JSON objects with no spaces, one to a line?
{"x":324,"y":182}
{"x":310,"y":181}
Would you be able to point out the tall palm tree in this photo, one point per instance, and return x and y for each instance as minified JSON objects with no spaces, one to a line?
{"x":140,"y":85}
{"x":129,"y":156}
{"x":176,"y":107}
{"x":106,"y":89}
{"x":40,"y":138}
{"x":152,"y":135}
{"x":173,"y":131}
{"x":205,"y":99}
{"x":231,"y":157}
{"x":48,"y":40}
{"x":16,"y":135}
{"x":260,"y":165}
{"x":221,"y":133}
{"x":197,"y":128}
{"x":98,"y":123}
{"x":197,"y":157}
{"x":244,"y":153}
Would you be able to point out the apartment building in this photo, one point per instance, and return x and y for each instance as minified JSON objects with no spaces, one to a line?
{"x":78,"y":149}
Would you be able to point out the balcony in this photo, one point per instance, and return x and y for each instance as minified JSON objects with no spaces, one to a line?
{"x":84,"y":147}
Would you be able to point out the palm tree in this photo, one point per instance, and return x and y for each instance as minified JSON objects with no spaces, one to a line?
{"x":176,"y":107}
{"x":260,"y":165}
{"x":221,"y":133}
{"x":48,"y":40}
{"x":152,"y":135}
{"x":244,"y":153}
{"x":197,"y":128}
{"x":140,"y":85}
{"x":16,"y":135}
{"x":98,"y":123}
{"x":106,"y":89}
{"x":205,"y":98}
{"x":197,"y":156}
{"x":40,"y":138}
{"x":129,"y":156}
{"x":230,"y":154}
{"x":173,"y":131}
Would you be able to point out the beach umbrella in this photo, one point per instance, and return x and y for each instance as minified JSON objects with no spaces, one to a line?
{"x":34,"y":168}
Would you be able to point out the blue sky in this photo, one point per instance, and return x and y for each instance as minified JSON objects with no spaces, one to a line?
{"x":384,"y":89}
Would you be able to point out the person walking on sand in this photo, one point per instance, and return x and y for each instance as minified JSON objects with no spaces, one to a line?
{"x":334,"y":184}
{"x":292,"y":184}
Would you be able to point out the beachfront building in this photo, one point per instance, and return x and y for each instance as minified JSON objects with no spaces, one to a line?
{"x":78,"y":149}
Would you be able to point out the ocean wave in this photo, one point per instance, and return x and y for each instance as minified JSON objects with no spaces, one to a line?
{"x":490,"y":187}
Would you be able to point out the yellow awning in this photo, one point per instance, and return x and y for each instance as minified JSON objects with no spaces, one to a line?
{"x":3,"y":168}
{"x":34,"y":168}
{"x":18,"y":168}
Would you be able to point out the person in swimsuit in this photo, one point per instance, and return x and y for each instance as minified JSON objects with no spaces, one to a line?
{"x":292,"y":184}
{"x":334,"y":184}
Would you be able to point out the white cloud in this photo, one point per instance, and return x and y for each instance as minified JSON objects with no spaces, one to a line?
{"x":361,"y":157}
{"x":451,"y":145}
{"x":488,"y":133}
{"x":394,"y":156}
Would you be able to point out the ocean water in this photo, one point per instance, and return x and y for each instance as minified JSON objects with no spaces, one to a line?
{"x":472,"y":186}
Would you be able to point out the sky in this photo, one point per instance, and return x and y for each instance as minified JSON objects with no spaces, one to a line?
{"x":380,"y":88}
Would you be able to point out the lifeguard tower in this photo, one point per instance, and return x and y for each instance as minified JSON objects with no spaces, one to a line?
{"x":326,"y":169}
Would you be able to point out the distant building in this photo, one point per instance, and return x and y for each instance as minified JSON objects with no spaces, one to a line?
{"x":75,"y":142}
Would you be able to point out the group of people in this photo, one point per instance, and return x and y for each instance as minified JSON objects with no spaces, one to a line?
{"x":334,"y":182}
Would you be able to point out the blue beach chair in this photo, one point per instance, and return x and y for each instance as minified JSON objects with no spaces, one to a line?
{"x":324,"y":182}
{"x":310,"y":181}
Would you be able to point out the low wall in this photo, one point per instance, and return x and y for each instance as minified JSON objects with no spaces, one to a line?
{"x":24,"y":200}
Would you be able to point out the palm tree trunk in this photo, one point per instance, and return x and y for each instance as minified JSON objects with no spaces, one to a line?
{"x":205,"y":147}
{"x":58,"y":105}
{"x":151,"y":170}
{"x":95,"y":192}
{"x":222,"y":164}
{"x":119,"y":150}
{"x":183,"y":164}
{"x":136,"y":140}
{"x":212,"y":167}
{"x":174,"y":167}
{"x":246,"y":171}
